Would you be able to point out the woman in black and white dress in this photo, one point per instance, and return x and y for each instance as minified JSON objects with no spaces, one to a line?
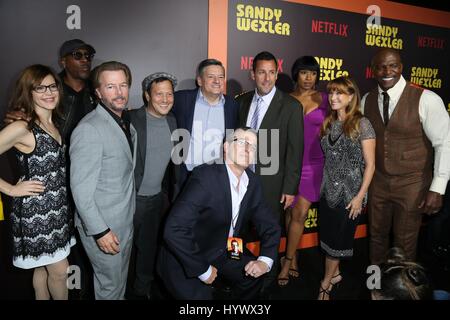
{"x":348,"y":143}
{"x":41,"y":224}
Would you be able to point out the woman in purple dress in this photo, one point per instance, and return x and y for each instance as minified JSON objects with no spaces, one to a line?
{"x":305,"y":73}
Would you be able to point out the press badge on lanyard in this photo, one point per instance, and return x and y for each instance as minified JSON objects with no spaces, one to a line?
{"x":235,"y":245}
{"x":235,"y":248}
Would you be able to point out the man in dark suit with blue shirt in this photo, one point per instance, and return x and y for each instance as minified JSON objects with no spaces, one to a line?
{"x":217,"y":201}
{"x":205,"y":113}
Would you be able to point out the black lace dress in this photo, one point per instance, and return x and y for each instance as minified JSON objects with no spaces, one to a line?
{"x":41,"y":225}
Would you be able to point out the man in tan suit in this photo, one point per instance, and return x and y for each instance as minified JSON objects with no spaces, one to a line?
{"x":409,"y":122}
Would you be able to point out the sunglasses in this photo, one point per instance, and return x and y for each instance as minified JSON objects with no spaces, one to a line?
{"x":78,"y":55}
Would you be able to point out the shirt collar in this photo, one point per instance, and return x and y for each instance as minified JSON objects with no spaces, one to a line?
{"x":202,"y":98}
{"x":268,"y":97}
{"x":124,"y":119}
{"x":396,"y":91}
{"x":234,"y":181}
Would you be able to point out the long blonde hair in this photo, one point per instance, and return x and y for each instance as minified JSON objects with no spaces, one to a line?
{"x":353,"y":114}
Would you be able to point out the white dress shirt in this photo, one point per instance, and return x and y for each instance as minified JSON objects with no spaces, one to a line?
{"x":435,"y":123}
{"x":238,"y":189}
{"x":266,"y":100}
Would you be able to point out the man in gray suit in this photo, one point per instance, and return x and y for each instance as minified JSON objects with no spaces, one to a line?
{"x":102,"y":181}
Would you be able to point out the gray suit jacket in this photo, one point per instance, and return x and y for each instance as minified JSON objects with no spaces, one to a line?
{"x":101,"y":175}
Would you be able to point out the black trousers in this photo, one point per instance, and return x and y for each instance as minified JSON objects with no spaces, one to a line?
{"x":147,"y":221}
{"x":184,"y":288}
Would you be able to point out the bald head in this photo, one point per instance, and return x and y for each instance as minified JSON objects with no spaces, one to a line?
{"x":382,"y":52}
{"x":387,"y":67}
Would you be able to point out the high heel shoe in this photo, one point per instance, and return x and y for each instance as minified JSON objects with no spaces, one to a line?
{"x":323,"y":293}
{"x":335,"y":283}
{"x":292,"y":272}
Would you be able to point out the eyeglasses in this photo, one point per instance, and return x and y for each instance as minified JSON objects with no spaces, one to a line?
{"x":245,"y":143}
{"x":78,"y":55}
{"x":41,"y":89}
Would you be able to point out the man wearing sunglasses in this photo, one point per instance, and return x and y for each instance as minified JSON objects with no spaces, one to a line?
{"x":75,"y":57}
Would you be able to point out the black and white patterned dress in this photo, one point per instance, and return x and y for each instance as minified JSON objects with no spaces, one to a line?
{"x":41,"y":225}
{"x":342,"y":179}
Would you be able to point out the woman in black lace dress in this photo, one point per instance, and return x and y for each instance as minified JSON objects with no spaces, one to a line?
{"x":41,"y":224}
{"x":348,"y":143}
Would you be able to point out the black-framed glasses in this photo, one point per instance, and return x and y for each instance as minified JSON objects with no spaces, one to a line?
{"x":41,"y":88}
{"x":245,"y":143}
{"x":78,"y":55}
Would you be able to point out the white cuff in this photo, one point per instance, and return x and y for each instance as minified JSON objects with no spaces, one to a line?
{"x":267,"y":261}
{"x":438,"y":185}
{"x":205,"y":276}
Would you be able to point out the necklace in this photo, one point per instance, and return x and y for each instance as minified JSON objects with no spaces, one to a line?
{"x":52,"y":133}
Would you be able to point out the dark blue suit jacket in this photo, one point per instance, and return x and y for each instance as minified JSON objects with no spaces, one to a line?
{"x":183,"y":109}
{"x":197,"y":227}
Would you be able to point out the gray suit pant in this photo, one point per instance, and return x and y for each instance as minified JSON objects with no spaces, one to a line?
{"x":110,"y":271}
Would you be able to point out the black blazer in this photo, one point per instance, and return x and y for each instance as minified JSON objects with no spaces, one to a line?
{"x":183,"y":109}
{"x":139,"y":121}
{"x":285,"y":113}
{"x":197,"y":227}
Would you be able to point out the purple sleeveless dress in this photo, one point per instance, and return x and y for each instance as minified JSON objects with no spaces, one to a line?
{"x":313,"y":159}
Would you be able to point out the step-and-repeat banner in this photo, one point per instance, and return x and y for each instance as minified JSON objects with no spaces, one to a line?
{"x":343,"y":43}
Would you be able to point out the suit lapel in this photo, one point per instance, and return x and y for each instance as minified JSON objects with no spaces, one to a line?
{"x":116,"y":130}
{"x":172,"y":124}
{"x":246,"y":108}
{"x":134,"y":140}
{"x":190,"y":110}
{"x":227,"y":114}
{"x":272,"y":111}
{"x":141,"y":129}
{"x":244,"y":205}
{"x":228,"y":201}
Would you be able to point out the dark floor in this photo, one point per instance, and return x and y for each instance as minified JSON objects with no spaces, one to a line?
{"x":16,"y":284}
